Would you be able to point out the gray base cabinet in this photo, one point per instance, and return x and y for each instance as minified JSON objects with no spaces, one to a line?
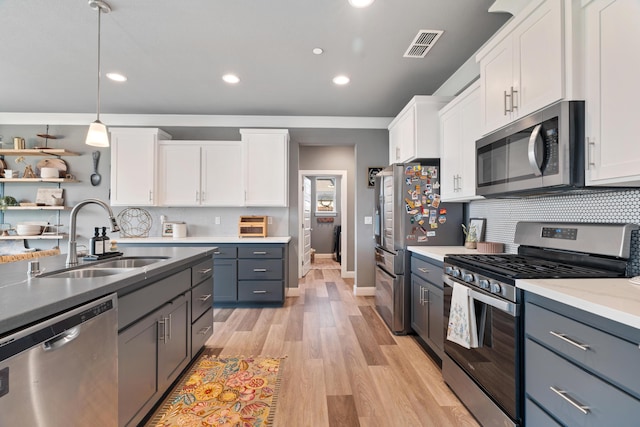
{"x":250,"y":274}
{"x":580,"y":369}
{"x":427,"y":302}
{"x":161,"y":326}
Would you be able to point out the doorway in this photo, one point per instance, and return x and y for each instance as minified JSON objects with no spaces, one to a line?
{"x":318,"y":209}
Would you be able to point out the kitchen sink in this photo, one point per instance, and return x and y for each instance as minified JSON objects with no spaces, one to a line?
{"x":86,"y":273}
{"x":128,"y":262}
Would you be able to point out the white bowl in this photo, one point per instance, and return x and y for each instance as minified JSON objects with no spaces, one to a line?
{"x":28,"y":229}
{"x":49,"y":173}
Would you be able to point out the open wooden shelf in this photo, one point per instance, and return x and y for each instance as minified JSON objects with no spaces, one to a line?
{"x":56,"y":152}
{"x":54,"y":180}
{"x":37,"y":208}
{"x":36,"y":237}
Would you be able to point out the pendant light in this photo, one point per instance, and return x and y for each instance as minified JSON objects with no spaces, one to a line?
{"x":98,"y":135}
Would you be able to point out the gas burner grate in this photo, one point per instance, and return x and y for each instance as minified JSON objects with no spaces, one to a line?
{"x":522,"y":267}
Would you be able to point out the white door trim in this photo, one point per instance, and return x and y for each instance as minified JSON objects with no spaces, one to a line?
{"x":343,"y":215}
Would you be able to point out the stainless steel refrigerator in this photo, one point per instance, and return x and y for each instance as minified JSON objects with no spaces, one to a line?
{"x":408,"y":212}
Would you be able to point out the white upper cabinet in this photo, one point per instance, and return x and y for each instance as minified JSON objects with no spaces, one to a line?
{"x":133,"y":166}
{"x":414,"y":133}
{"x":523,"y":68}
{"x":266,"y":166}
{"x":200,"y":173}
{"x":459,"y":130}
{"x":612,"y":83}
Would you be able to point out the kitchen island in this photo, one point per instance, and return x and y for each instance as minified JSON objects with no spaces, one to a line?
{"x":164,"y":315}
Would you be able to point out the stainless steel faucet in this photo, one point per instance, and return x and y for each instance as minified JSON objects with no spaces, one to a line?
{"x":72,"y":256}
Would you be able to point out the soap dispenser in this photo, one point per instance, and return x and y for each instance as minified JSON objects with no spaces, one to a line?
{"x":96,"y":246}
{"x":106,"y":244}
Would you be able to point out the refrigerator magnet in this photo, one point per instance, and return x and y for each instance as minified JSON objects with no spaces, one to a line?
{"x":408,"y":170}
{"x":436,"y":185}
{"x":442,"y":219}
{"x":428,"y":189}
{"x":432,"y":217}
{"x":436,"y":201}
{"x":422,"y":238}
{"x":431,"y":234}
{"x":413,"y":211}
{"x":443,"y":211}
{"x":434,"y":225}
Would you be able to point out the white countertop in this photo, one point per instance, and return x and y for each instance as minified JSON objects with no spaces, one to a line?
{"x":615,"y":299}
{"x":438,"y":252}
{"x":201,"y":239}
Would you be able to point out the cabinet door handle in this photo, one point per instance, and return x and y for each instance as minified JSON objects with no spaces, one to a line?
{"x":203,"y":298}
{"x":150,"y":196}
{"x":259,"y":292}
{"x":204,"y":331}
{"x":563,"y":394}
{"x":197,"y":196}
{"x":513,"y":99}
{"x":206,"y":270}
{"x":217,"y":253}
{"x":591,"y":145}
{"x":505,"y":103}
{"x":202,"y":196}
{"x":563,"y":337}
{"x":162,"y":323}
{"x":260,"y":270}
{"x":424,"y":270}
{"x":421,"y":295}
{"x":169,"y":328}
{"x":426,"y":298}
{"x":259,"y":252}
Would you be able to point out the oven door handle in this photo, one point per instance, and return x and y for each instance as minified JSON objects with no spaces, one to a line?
{"x":504,"y":306}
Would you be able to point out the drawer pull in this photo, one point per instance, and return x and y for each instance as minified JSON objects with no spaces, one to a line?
{"x":424,"y":270}
{"x":259,"y":292}
{"x":205,"y":271}
{"x":203,"y":298}
{"x":204,"y":331}
{"x":260,"y":270}
{"x":217,"y":253}
{"x":563,"y":337}
{"x":563,"y":394}
{"x":259,"y":252}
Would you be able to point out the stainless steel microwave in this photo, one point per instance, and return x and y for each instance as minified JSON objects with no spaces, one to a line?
{"x":537,"y":154}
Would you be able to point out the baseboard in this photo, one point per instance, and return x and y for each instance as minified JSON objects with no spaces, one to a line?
{"x":317,"y":255}
{"x":293,"y":292}
{"x":368,"y":291}
{"x":348,"y":275}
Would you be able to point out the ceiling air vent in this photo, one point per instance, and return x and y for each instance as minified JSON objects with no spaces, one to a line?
{"x":423,"y":42}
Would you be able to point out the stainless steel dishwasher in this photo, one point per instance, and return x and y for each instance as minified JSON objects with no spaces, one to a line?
{"x":62,"y":371}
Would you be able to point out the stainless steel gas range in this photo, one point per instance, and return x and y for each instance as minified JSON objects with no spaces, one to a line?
{"x":489,"y":378}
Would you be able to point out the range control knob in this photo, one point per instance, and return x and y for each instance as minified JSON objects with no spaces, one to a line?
{"x":467,"y":277}
{"x":455,"y":272}
{"x":496,"y":288}
{"x":484,"y":283}
{"x":448,"y":269}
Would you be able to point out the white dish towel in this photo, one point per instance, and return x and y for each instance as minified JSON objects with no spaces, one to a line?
{"x":462,"y":328}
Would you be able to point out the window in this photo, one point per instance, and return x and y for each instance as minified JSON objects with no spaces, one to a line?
{"x":325,"y":196}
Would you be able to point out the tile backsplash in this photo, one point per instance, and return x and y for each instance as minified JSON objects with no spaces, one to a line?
{"x":614,"y":206}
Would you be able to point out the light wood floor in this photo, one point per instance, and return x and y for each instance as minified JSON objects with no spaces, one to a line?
{"x":343,"y":366}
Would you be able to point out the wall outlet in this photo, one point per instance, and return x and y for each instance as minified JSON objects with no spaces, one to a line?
{"x":217,"y":220}
{"x":269,"y":220}
{"x":368,"y":220}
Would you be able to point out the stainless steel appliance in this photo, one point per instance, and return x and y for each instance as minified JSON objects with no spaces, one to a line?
{"x":62,"y":371}
{"x":540,"y":153}
{"x":489,"y":379}
{"x":408,"y":212}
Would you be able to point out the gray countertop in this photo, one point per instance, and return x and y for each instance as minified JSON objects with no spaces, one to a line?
{"x":200,"y":240}
{"x":23,"y":301}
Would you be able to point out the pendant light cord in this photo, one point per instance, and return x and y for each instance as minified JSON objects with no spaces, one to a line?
{"x":98,"y":97}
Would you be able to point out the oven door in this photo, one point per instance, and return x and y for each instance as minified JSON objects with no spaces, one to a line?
{"x":495,"y":365}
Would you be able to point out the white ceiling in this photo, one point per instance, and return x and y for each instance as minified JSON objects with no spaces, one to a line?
{"x":174,"y":53}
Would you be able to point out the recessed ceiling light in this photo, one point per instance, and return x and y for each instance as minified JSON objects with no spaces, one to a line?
{"x":231,"y":78}
{"x":317,"y":51}
{"x":360,"y":3}
{"x":116,"y":77}
{"x":341,"y":80}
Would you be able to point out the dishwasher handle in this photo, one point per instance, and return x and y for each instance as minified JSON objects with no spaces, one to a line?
{"x":62,"y":339}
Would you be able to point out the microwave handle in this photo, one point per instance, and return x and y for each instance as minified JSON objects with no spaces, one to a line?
{"x":531,"y":152}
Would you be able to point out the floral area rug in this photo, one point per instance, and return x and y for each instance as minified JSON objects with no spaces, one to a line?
{"x":223,"y":391}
